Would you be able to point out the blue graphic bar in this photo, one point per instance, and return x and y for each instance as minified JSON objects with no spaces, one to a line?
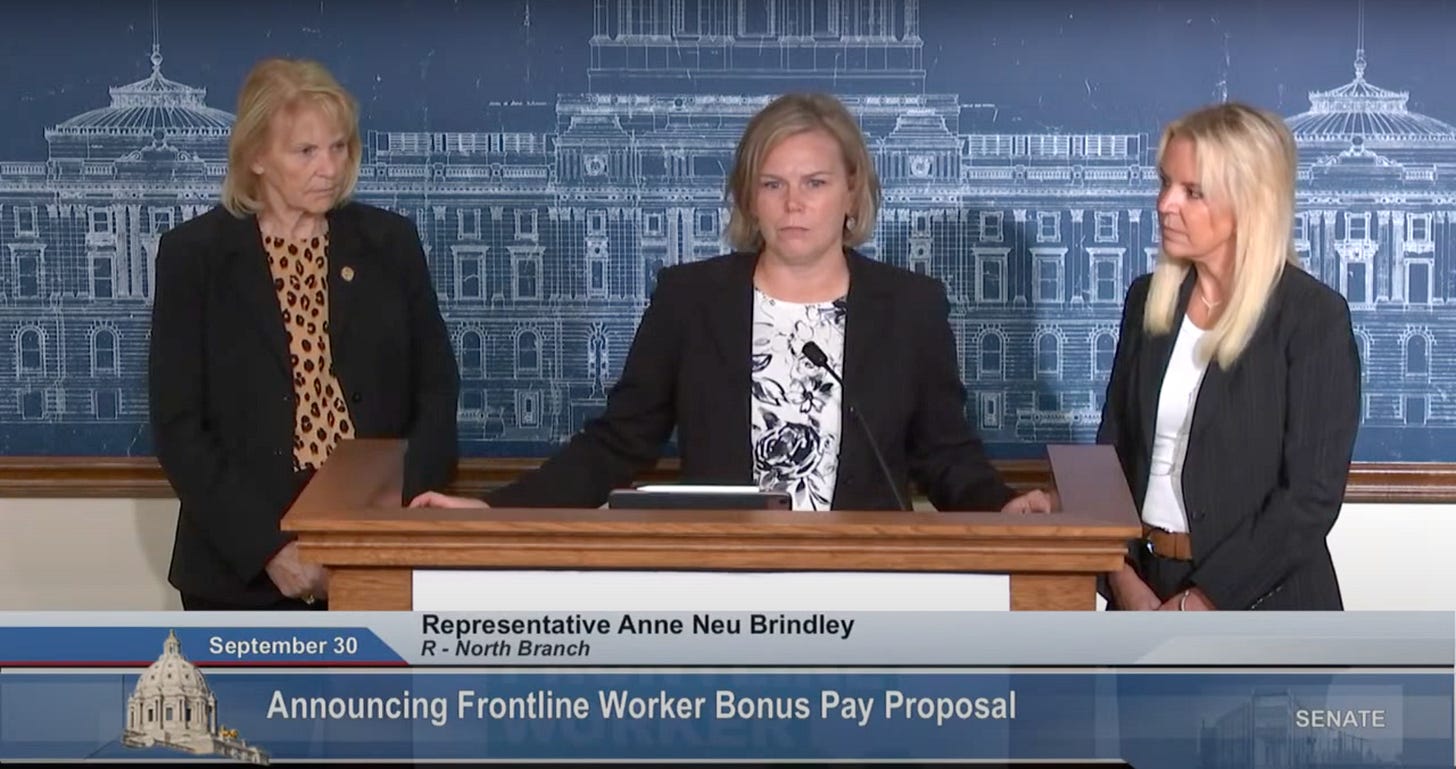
{"x":1149,"y":719}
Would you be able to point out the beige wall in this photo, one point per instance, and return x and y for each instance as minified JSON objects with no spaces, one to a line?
{"x":112,"y":554}
{"x":86,"y":554}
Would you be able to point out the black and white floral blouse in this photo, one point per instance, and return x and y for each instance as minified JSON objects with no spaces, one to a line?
{"x":796,"y":404}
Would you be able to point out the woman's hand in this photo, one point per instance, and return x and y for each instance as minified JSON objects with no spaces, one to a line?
{"x":1037,"y":501}
{"x":1130,"y":592}
{"x":1192,"y":599}
{"x":297,"y":578}
{"x":436,"y":499}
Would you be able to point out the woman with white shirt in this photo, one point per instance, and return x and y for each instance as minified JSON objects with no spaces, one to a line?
{"x":1235,"y":391}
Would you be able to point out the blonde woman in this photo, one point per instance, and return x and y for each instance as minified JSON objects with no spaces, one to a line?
{"x":724,"y":353}
{"x":286,"y":320}
{"x":1234,"y":396}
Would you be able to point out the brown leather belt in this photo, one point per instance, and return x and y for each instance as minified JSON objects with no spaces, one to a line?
{"x":1167,"y":544}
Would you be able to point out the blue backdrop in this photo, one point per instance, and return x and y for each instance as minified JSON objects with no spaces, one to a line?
{"x":554,"y":155}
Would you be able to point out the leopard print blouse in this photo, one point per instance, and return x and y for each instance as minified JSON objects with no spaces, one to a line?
{"x":321,"y":413}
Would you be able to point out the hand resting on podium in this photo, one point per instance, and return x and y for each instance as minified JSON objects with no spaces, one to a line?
{"x":1035,"y":501}
{"x":436,"y":499}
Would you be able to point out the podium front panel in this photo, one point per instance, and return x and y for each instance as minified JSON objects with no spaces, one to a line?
{"x":694,"y":591}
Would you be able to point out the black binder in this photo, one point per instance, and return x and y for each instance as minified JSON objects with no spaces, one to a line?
{"x":699,"y":498}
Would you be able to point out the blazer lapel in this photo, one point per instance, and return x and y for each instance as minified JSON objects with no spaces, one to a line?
{"x":346,"y":276}
{"x":253,"y":281}
{"x":1217,"y":383}
{"x":866,"y":318}
{"x":728,"y":314}
{"x":1157,"y":352}
{"x":1210,"y":393}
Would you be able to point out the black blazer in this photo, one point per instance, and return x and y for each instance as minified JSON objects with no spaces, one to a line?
{"x":689,"y":368}
{"x":221,"y":384}
{"x":1269,"y":448}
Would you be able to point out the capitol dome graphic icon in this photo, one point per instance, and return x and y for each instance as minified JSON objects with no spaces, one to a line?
{"x":173,"y":707}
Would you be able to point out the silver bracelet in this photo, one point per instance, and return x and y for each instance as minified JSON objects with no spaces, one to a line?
{"x":1184,"y":600}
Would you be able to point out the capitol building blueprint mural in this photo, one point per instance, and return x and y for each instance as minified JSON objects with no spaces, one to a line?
{"x":556,"y":154}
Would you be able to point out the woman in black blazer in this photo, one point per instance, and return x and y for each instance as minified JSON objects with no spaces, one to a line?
{"x":285,"y":321}
{"x":1235,"y":392}
{"x":720,"y":352}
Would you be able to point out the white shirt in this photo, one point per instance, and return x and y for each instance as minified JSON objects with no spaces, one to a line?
{"x":1163,"y":505}
{"x":795,"y":404}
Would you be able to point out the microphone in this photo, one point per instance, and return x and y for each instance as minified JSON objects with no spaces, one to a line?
{"x":816,"y":356}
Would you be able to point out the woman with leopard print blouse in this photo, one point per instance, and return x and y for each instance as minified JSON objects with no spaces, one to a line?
{"x":287,"y":320}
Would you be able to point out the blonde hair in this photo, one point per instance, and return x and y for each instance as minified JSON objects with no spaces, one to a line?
{"x":786,"y":116}
{"x":1246,"y":162}
{"x":272,"y":87}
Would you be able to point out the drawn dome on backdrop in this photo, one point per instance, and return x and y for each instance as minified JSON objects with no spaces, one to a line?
{"x":150,"y":105}
{"x":148,"y":112}
{"x":173,"y":707}
{"x":1359,"y":112}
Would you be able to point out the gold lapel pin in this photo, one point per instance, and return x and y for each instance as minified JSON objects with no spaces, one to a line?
{"x":347,"y":274}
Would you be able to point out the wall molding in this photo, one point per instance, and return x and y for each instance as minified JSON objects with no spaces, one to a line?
{"x":141,"y":478}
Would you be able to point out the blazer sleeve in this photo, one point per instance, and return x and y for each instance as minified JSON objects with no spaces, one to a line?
{"x":1319,"y":439}
{"x":218,"y":498}
{"x":1113,"y":428}
{"x":945,"y":455}
{"x":627,"y":438}
{"x":1112,"y":431}
{"x":433,"y":440}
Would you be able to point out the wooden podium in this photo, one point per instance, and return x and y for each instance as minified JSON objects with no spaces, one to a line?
{"x":349,"y":519}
